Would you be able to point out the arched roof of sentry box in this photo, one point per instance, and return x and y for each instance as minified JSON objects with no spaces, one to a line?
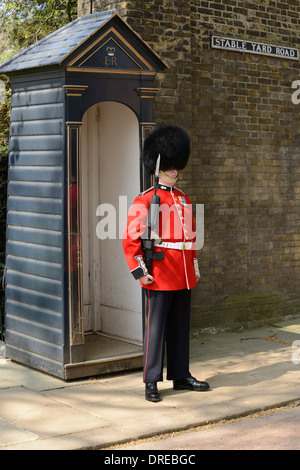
{"x":61,"y":45}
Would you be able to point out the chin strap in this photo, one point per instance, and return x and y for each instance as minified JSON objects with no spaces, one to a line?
{"x":162,"y":174}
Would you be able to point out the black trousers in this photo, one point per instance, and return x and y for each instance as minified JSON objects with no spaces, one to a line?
{"x":167,"y":321}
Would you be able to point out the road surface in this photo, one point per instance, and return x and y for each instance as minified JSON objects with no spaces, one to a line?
{"x":277,"y":429}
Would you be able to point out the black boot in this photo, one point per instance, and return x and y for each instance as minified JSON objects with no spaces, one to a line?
{"x":151,"y":392}
{"x":190,"y":383}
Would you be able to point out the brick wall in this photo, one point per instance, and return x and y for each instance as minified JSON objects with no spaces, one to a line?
{"x":84,"y":6}
{"x":245,"y":161}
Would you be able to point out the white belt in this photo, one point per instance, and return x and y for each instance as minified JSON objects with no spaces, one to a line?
{"x":175,"y":246}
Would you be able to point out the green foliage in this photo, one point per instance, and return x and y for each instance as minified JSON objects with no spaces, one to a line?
{"x":22,"y":23}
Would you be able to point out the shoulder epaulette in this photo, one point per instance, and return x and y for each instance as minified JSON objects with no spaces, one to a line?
{"x":147,"y":190}
{"x":179,"y":190}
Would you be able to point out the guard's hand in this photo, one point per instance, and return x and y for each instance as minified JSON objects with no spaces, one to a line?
{"x":147,"y":279}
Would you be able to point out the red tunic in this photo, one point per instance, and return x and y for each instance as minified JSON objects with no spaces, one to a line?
{"x":179,"y":268}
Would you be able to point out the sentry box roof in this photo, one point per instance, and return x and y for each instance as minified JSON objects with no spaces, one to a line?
{"x":68,"y":46}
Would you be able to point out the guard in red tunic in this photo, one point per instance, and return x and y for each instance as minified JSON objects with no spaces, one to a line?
{"x":163,"y":259}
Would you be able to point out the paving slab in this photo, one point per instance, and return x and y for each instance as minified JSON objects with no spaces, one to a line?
{"x":12,"y":435}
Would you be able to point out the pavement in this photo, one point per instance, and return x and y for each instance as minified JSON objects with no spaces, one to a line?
{"x":248,"y":371}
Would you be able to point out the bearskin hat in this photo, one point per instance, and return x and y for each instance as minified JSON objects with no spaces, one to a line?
{"x":173,"y":145}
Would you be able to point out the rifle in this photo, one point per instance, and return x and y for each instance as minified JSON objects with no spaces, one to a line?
{"x":152,"y":226}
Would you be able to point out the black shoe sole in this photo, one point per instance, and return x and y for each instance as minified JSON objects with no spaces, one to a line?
{"x":192,"y":389}
{"x":154,"y":400}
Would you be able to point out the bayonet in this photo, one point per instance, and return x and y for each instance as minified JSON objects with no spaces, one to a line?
{"x":153,"y":218}
{"x":157,"y":171}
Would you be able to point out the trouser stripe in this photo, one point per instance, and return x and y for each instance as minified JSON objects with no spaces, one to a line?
{"x":148,"y":328}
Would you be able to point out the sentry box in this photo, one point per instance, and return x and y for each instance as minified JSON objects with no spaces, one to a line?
{"x":82,"y":102}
